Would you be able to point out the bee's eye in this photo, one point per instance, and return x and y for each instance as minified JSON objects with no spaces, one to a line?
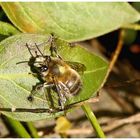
{"x":44,"y":68}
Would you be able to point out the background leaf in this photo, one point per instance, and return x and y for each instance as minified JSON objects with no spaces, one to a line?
{"x":16,"y":83}
{"x":70,"y":21}
{"x":7,"y":29}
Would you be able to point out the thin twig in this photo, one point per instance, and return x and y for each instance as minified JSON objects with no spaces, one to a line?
{"x":79,"y":131}
{"x":117,"y":123}
{"x":115,"y":55}
{"x":118,"y":100}
{"x":125,"y":106}
{"x":117,"y":52}
{"x":111,"y":125}
{"x":122,"y":84}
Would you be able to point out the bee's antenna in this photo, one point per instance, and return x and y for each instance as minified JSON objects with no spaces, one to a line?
{"x":39,"y":50}
{"x":22,"y":62}
{"x":29,"y":49}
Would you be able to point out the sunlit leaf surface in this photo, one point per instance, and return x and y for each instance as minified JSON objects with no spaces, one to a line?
{"x":71,"y":21}
{"x":16,"y":83}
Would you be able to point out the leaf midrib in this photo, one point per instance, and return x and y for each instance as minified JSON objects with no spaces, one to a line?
{"x":20,"y":75}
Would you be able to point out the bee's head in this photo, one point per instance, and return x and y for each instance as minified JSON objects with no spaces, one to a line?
{"x":40,"y":64}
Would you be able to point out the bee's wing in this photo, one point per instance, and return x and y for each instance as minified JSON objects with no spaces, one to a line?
{"x":79,"y":67}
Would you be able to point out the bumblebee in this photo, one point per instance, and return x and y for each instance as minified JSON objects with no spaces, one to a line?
{"x":55,"y":74}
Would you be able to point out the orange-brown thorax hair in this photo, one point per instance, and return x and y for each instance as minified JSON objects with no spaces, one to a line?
{"x":62,"y":73}
{"x":56,"y":68}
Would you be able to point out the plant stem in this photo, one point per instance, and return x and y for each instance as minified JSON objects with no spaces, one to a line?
{"x":18,"y":128}
{"x":92,"y":118}
{"x":32,"y":130}
{"x":132,"y":26}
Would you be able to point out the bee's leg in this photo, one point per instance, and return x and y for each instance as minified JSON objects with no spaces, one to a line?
{"x":49,"y":86}
{"x":34,"y":90}
{"x":37,"y":87}
{"x":54,"y":52}
{"x":33,"y":74}
{"x":50,"y":98}
{"x":62,"y":98}
{"x":66,"y":91}
{"x":53,"y":48}
{"x":66,"y":94}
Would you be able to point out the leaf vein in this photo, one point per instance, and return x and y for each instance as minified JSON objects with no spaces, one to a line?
{"x":6,"y":101}
{"x":92,"y":71}
{"x":35,"y":23}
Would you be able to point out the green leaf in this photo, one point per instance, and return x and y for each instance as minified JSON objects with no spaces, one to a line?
{"x":7,"y":29}
{"x":17,"y":127}
{"x":71,"y":21}
{"x":130,"y":36}
{"x":16,"y":83}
